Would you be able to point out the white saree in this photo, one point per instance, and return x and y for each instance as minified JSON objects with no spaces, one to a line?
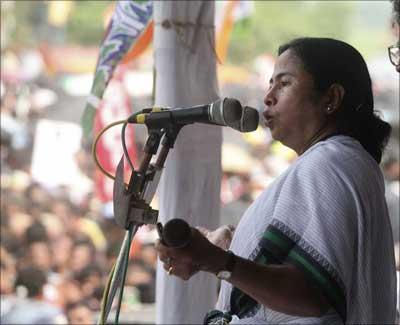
{"x":328,"y":216}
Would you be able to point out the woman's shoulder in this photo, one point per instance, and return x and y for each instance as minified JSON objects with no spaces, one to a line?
{"x":339,"y":150}
{"x":340,"y":157}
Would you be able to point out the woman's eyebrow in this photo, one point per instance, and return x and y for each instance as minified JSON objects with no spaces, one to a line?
{"x":280,"y":75}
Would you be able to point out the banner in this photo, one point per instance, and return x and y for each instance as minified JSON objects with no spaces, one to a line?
{"x":127,"y":23}
{"x":53,"y":159}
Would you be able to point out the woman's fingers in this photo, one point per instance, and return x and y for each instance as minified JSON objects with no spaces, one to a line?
{"x":164,"y":252}
{"x":176,"y":262}
{"x":183,"y":271}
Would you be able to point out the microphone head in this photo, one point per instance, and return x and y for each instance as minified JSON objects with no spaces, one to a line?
{"x":176,"y":233}
{"x":226,"y":111}
{"x":249,"y":120}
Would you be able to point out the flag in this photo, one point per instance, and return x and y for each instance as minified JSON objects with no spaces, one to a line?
{"x":127,"y":24}
{"x":228,"y":13}
{"x":114,"y":106}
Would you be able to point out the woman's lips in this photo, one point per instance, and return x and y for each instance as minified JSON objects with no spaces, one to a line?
{"x":268,"y":121}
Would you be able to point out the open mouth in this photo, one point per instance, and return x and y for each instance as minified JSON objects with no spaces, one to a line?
{"x":268,"y":121}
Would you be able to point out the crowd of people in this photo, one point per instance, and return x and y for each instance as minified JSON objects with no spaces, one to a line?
{"x":57,"y":249}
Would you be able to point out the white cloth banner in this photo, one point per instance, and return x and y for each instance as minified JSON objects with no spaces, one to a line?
{"x":53,"y":159}
{"x":190,"y":186}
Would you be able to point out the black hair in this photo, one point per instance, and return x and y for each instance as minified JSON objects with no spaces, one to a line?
{"x":84,"y":240}
{"x":92,"y":269}
{"x":331,"y":61}
{"x":36,"y":232}
{"x":32,"y":279}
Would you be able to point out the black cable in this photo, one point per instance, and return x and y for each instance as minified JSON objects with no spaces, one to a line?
{"x":126,"y":261}
{"x":124,"y":145}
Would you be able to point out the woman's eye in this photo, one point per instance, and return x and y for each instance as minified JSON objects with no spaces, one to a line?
{"x":284,"y":83}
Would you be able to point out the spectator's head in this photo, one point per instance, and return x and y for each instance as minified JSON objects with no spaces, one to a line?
{"x":89,"y":278}
{"x":62,"y":209}
{"x":79,"y":313}
{"x":83,"y":254}
{"x":39,"y":255}
{"x":55,"y":227}
{"x":36,"y":232}
{"x":33,"y":280}
{"x":61,"y":250}
{"x":38,"y":196}
{"x":69,"y":291}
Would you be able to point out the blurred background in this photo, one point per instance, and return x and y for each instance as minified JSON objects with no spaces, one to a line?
{"x":58,"y":237}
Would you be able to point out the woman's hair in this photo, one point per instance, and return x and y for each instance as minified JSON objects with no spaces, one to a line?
{"x":330,"y":61}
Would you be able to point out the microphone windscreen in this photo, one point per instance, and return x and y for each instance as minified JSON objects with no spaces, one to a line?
{"x":250,"y":119}
{"x":226,"y":112}
{"x":232,"y":111}
{"x":176,"y":233}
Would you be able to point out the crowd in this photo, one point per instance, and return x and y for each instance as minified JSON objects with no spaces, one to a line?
{"x":57,"y":249}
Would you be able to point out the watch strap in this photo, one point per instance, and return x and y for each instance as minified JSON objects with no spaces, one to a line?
{"x":230,"y":263}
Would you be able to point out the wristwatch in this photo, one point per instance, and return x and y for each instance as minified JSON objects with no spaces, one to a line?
{"x":226,"y":272}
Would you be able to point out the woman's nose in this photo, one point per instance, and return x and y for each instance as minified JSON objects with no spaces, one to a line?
{"x":269,"y":98}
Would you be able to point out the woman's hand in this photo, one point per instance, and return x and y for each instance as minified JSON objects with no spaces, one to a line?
{"x":199,"y":254}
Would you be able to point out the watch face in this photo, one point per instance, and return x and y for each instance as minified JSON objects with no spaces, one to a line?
{"x":224,"y":275}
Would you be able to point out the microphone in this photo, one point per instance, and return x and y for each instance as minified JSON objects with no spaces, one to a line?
{"x":249,"y":120}
{"x":175,"y":233}
{"x":224,"y":112}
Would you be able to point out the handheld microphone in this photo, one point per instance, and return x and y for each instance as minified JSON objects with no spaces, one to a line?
{"x":224,"y":112}
{"x":175,"y":233}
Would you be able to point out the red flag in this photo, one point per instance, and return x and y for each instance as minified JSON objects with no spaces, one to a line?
{"x":114,"y":106}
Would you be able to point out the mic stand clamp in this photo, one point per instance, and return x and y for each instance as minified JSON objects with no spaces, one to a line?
{"x":132,"y":204}
{"x":129,"y":207}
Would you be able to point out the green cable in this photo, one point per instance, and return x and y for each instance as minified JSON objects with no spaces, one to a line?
{"x":121,"y":292}
{"x":105,"y":296}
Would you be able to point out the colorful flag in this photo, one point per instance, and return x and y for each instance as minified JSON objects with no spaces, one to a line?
{"x":228,"y":13}
{"x":127,"y":23}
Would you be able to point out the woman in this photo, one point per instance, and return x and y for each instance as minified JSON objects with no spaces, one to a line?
{"x":316,"y":246}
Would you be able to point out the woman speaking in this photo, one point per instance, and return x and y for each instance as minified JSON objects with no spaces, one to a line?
{"x":316,"y":246}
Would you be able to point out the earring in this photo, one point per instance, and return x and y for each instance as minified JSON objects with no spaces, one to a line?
{"x":329,"y":109}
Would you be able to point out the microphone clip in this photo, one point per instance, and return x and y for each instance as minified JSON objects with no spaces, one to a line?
{"x":129,"y":207}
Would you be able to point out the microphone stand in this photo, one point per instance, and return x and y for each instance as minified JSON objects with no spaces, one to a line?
{"x":132,"y":205}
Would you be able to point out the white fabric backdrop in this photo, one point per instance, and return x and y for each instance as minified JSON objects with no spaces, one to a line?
{"x":190,"y":186}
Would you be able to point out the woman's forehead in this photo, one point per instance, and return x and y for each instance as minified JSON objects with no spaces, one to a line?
{"x":289,"y":62}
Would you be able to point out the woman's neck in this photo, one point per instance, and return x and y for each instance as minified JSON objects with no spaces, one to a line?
{"x":324,"y":132}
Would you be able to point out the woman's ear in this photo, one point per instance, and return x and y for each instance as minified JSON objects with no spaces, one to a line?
{"x":335,"y":96}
